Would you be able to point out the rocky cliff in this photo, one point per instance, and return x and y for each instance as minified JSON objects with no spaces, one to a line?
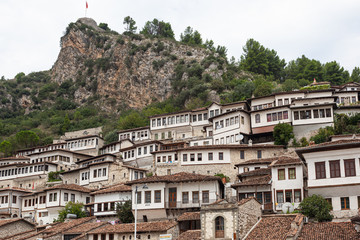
{"x":120,"y":70}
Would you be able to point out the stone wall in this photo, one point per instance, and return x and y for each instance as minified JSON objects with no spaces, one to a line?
{"x":249,"y":213}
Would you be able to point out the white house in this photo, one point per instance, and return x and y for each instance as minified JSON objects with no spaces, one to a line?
{"x":135,"y":134}
{"x":140,"y":154}
{"x":106,"y":200}
{"x":334,"y":173}
{"x":10,"y":201}
{"x":163,"y":197}
{"x":43,"y":206}
{"x":115,"y":147}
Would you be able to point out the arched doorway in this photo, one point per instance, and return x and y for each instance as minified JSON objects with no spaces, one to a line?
{"x":219,"y":227}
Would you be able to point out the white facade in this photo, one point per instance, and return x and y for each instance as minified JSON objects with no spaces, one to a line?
{"x":25,"y":170}
{"x":105,"y":204}
{"x":135,"y":135}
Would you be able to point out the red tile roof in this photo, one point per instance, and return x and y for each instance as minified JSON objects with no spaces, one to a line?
{"x":4,"y":222}
{"x":176,"y":178}
{"x":160,"y":226}
{"x":256,"y":172}
{"x":257,"y":161}
{"x":73,"y":187}
{"x":273,"y":227}
{"x":256,"y":181}
{"x":16,"y":189}
{"x":286,"y":162}
{"x":187,"y":216}
{"x":190,"y":235}
{"x":84,"y":228}
{"x":117,"y":188}
{"x":329,"y":230}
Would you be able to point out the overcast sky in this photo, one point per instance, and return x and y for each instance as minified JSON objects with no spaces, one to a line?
{"x":325,"y":30}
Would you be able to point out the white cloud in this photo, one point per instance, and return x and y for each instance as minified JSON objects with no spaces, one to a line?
{"x":326,"y":30}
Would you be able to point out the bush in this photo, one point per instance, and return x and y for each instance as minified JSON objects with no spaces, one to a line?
{"x":120,"y":40}
{"x":316,"y":207}
{"x":283,"y":132}
{"x":323,"y":135}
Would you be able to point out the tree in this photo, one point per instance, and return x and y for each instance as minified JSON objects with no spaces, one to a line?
{"x":283,"y":132}
{"x":355,"y":75}
{"x":262,"y":88}
{"x":191,"y":37}
{"x":111,"y":137}
{"x":316,"y":207}
{"x":66,"y":125}
{"x":323,"y":135}
{"x":6,"y":147}
{"x":72,"y":208}
{"x":304,"y":68}
{"x":104,"y":26}
{"x":335,"y":74}
{"x":132,"y":120}
{"x":157,"y":28}
{"x":130,"y":25}
{"x":124,"y":213}
{"x":290,"y":85}
{"x":27,"y":138}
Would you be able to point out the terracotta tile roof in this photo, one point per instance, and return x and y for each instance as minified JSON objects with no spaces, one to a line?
{"x":272,"y":228}
{"x":117,"y":188}
{"x":85,"y":227}
{"x":257,"y":161}
{"x":15,"y":158}
{"x":176,"y":178}
{"x":133,"y":129}
{"x":190,"y":235}
{"x":285,"y":162}
{"x":160,"y":226}
{"x":256,"y":181}
{"x":329,"y":230}
{"x":73,"y":187}
{"x":16,"y":189}
{"x":245,"y":200}
{"x":187,"y":216}
{"x":21,"y":235}
{"x":4,"y":222}
{"x":256,"y":172}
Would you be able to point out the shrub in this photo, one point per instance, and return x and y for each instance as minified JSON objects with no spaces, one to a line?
{"x":316,"y":207}
{"x":283,"y":132}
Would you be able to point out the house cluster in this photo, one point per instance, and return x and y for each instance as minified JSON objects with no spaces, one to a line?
{"x":208,"y":173}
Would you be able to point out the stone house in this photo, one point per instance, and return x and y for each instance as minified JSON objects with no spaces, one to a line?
{"x":169,"y":196}
{"x":145,"y":230}
{"x":10,"y":227}
{"x":225,"y":220}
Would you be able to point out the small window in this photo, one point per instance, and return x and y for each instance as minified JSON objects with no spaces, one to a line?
{"x":221,"y":156}
{"x":259,"y":154}
{"x":147,"y":196}
{"x":349,"y":165}
{"x":345,"y":203}
{"x":257,"y":118}
{"x":205,"y":196}
{"x":138,"y":198}
{"x":185,"y":197}
{"x":320,"y":170}
{"x":184,"y":157}
{"x":280,"y":196}
{"x":195,"y":197}
{"x":334,"y":169}
{"x":242,"y":154}
{"x":281,"y":174}
{"x":210,"y":156}
{"x":157,"y":196}
{"x":292,"y":173}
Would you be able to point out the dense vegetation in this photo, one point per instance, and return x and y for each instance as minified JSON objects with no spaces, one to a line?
{"x":259,"y":71}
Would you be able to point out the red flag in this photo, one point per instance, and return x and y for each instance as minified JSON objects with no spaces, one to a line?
{"x":87,"y":6}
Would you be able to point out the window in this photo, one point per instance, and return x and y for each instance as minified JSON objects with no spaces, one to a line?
{"x":184,"y":157}
{"x":242,"y":154}
{"x":157,"y":198}
{"x":95,"y":237}
{"x":219,"y":227}
{"x":288,"y":195}
{"x":286,"y":101}
{"x":99,"y":207}
{"x":111,"y":236}
{"x":279,"y":196}
{"x":192,"y":157}
{"x":14,"y":199}
{"x":205,"y":196}
{"x":246,"y":169}
{"x":205,"y":116}
{"x":95,"y":173}
{"x":221,"y":156}
{"x":280,"y":115}
{"x":292,"y":173}
{"x":199,"y":157}
{"x":147,"y":196}
{"x":316,"y":113}
{"x":274,"y":117}
{"x":349,"y":167}
{"x":334,"y":169}
{"x":259,"y":154}
{"x":345,"y":203}
{"x":195,"y":197}
{"x":194,"y":118}
{"x":297,"y":195}
{"x":320,"y":170}
{"x":268,"y":117}
{"x":50,"y":198}
{"x":66,"y":197}
{"x":73,"y":198}
{"x":104,"y":171}
{"x":280,"y":102}
{"x":296,"y":115}
{"x":210,"y":156}
{"x":328,"y":112}
{"x":259,"y":197}
{"x":112,"y":206}
{"x":257,"y":118}
{"x":55,"y":197}
{"x":106,"y":207}
{"x":322,"y":113}
{"x":281,"y":174}
{"x":185,"y":197}
{"x":138,"y":198}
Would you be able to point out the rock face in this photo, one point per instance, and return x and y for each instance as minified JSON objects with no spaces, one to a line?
{"x":120,"y":70}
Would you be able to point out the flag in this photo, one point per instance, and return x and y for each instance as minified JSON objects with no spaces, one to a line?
{"x":87,"y":6}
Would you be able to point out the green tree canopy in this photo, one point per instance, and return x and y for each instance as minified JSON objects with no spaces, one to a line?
{"x":283,"y":132}
{"x":124,"y":212}
{"x":290,"y":85}
{"x":261,"y":60}
{"x":157,"y":28}
{"x":316,"y":207}
{"x":27,"y":138}
{"x":104,"y":26}
{"x":6,"y":148}
{"x":130,"y":25}
{"x":132,"y":120}
{"x":191,"y":37}
{"x":323,"y":135}
{"x":72,"y":208}
{"x":335,"y":74}
{"x":355,"y":75}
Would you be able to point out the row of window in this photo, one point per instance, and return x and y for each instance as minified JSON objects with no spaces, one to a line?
{"x":111,"y":237}
{"x":66,"y":197}
{"x":317,"y":113}
{"x":164,"y":135}
{"x":167,"y":159}
{"x":93,"y":161}
{"x":229,"y":122}
{"x":346,"y":100}
{"x":104,"y":207}
{"x":52,"y":159}
{"x":198,"y":157}
{"x":5,"y":199}
{"x":140,"y":151}
{"x":263,"y":106}
{"x":138,"y":175}
{"x":82,"y":143}
{"x":228,"y":139}
{"x":139,"y":134}
{"x":277,"y":116}
{"x":185,"y":197}
{"x":32,"y":202}
{"x":291,"y":173}
{"x":101,"y":172}
{"x":291,"y":195}
{"x":24,"y":170}
{"x":349,"y":166}
{"x":262,"y":197}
